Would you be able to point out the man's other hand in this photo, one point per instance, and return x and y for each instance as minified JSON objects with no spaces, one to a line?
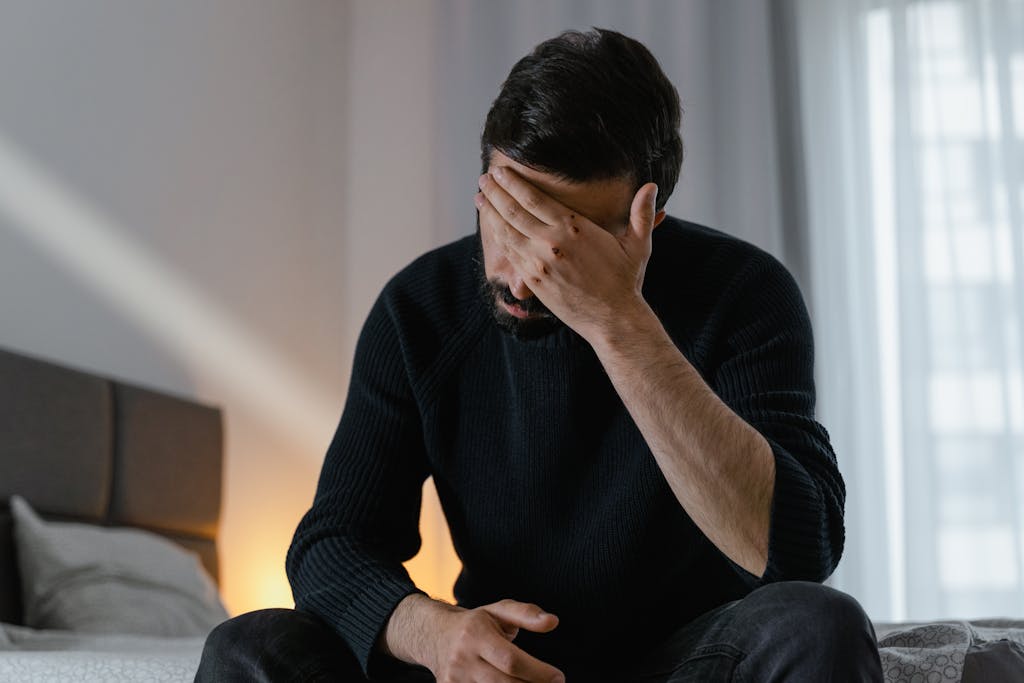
{"x":470,"y":646}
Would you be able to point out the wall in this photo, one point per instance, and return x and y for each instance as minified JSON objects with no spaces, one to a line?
{"x":172,"y":214}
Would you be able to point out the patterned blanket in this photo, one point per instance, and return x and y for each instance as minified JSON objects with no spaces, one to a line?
{"x":952,"y":651}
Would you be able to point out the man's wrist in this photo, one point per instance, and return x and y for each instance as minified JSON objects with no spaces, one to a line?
{"x":625,"y":330}
{"x":410,"y":634}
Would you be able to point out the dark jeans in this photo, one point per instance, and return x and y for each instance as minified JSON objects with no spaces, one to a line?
{"x":789,"y":631}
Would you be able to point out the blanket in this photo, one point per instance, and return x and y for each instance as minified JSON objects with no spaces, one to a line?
{"x":952,"y":651}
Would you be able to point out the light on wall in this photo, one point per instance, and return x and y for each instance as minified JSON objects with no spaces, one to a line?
{"x":436,"y":567}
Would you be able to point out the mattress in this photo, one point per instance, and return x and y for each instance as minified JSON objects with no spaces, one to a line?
{"x":30,"y":655}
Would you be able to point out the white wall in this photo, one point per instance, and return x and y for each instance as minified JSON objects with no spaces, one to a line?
{"x":171,"y":213}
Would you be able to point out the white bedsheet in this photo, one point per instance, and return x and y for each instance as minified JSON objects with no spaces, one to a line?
{"x":43,"y":656}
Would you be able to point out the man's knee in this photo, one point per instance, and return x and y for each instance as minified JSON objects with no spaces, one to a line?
{"x":803,"y":617}
{"x":265,"y":645}
{"x":822,"y":633}
{"x":250,"y":629}
{"x":813,"y":608}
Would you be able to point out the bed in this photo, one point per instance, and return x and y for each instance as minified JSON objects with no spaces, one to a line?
{"x":101,"y":454}
{"x":108,"y":555}
{"x":952,"y":651}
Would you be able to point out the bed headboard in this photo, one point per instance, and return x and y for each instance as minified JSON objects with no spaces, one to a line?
{"x":80,"y":447}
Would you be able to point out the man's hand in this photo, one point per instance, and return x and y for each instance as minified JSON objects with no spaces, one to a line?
{"x":586,"y":275}
{"x":720,"y":468}
{"x":469,"y":646}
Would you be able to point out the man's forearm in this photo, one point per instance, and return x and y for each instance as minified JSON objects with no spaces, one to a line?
{"x":720,"y":469}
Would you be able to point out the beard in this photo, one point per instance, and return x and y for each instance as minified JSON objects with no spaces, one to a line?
{"x":540,"y":321}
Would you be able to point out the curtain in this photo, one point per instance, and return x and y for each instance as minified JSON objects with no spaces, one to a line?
{"x":909,"y":166}
{"x":716,"y":53}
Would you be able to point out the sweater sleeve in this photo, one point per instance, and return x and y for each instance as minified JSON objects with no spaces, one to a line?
{"x":766,"y":376}
{"x":345,"y":560}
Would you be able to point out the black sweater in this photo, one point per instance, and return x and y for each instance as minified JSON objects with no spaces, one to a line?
{"x":551,"y":494}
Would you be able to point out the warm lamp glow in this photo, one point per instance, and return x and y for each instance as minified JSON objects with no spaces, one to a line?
{"x":264,"y":585}
{"x":436,"y":567}
{"x":274,"y":590}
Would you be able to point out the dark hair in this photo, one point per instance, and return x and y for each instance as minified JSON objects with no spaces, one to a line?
{"x":589,"y":106}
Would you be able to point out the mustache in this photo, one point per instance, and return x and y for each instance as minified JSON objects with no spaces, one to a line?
{"x":531,"y":305}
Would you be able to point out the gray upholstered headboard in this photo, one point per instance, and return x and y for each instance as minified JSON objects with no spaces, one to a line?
{"x":86,"y":448}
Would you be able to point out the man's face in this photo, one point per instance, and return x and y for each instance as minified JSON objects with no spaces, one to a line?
{"x":516,"y":309}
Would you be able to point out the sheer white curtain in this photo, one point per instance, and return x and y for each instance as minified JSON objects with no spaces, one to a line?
{"x":912,"y":143}
{"x":716,"y":53}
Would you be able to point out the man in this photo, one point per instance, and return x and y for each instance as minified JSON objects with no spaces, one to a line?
{"x":617,"y":411}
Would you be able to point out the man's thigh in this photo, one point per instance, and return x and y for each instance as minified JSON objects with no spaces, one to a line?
{"x":707,"y":637}
{"x":783,"y":631}
{"x":286,"y":645}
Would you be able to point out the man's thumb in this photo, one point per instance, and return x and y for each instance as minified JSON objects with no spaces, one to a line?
{"x":643,"y":211}
{"x":523,"y":615}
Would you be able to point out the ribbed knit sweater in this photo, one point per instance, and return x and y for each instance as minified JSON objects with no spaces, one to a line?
{"x":551,"y":494}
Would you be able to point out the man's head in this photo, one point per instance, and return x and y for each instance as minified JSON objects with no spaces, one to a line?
{"x":589,"y":106}
{"x":588,"y":118}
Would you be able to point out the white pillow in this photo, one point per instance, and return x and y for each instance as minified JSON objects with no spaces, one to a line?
{"x":107,"y":580}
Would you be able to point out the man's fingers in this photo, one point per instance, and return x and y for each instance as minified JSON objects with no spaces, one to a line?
{"x":522,"y":614}
{"x":509,"y":659}
{"x":476,"y":645}
{"x":504,"y":232}
{"x":544,"y":207}
{"x":515,"y":245}
{"x":518,"y":216}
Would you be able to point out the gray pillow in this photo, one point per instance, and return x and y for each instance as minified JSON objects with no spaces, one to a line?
{"x":110,"y":580}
